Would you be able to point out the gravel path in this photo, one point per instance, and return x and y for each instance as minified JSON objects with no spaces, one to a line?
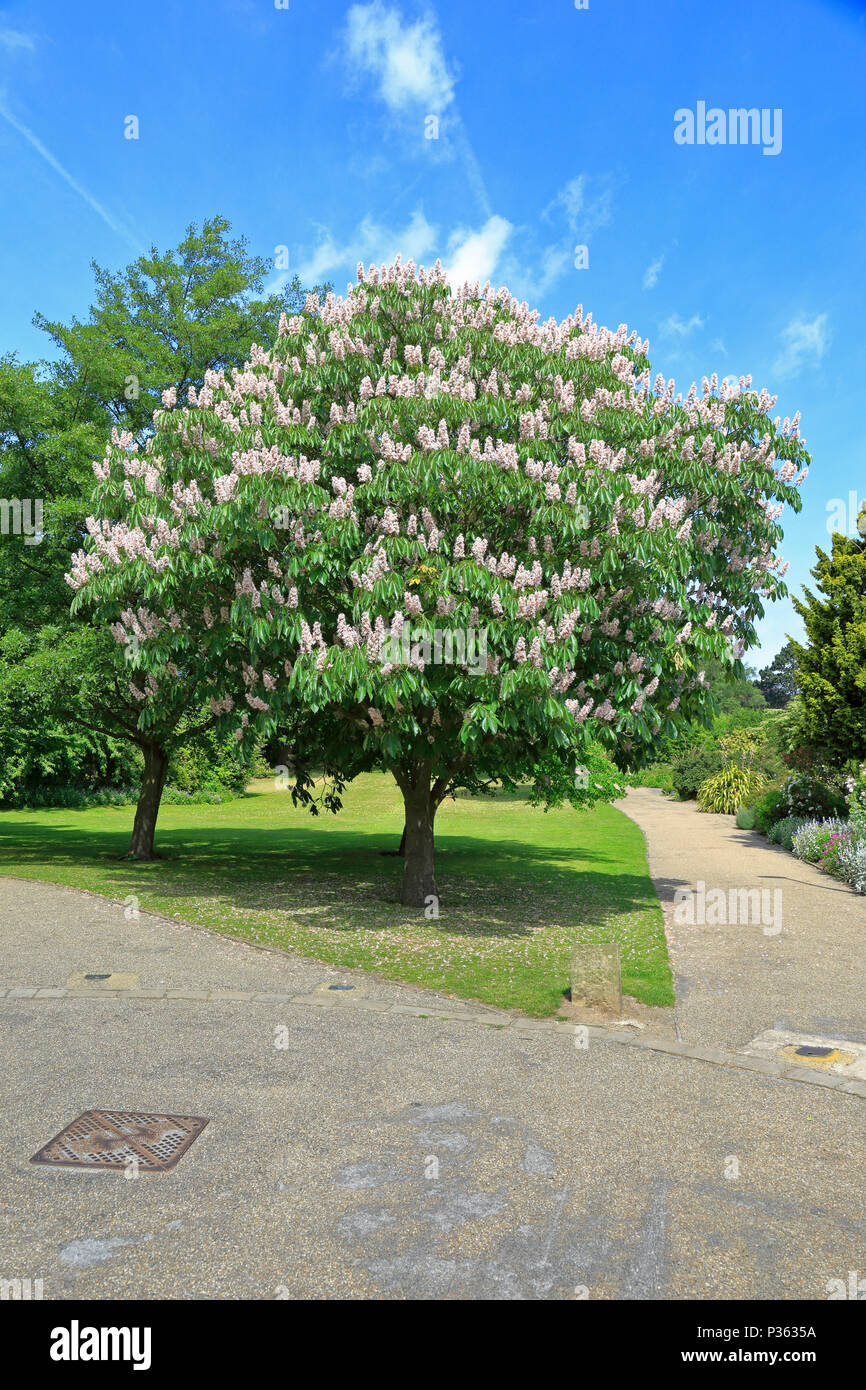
{"x":735,"y":979}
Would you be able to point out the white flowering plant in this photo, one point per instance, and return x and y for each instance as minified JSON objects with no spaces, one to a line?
{"x":417,"y":453}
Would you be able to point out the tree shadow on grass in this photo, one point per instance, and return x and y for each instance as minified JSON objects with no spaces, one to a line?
{"x":338,"y":879}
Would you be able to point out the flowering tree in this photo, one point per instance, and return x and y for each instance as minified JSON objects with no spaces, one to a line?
{"x":468,"y":545}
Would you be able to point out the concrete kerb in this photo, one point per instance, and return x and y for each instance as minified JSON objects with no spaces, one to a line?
{"x":564,"y":1030}
{"x":483,"y":1017}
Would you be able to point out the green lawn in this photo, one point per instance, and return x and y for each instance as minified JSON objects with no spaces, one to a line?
{"x":518,"y":887}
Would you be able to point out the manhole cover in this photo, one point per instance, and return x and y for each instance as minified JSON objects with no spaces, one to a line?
{"x":821,"y":1058}
{"x":110,"y":1138}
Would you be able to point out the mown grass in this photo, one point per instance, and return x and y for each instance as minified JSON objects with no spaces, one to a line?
{"x":518,"y":886}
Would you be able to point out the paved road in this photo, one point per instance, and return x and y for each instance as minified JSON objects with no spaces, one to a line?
{"x":734,"y":978}
{"x":385,"y":1155}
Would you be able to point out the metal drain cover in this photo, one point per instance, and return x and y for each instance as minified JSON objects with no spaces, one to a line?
{"x":110,"y":1138}
{"x":819,"y":1057}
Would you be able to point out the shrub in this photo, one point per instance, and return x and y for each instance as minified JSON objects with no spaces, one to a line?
{"x":856,"y":799}
{"x":212,"y":762}
{"x":746,"y":818}
{"x":768,"y":809}
{"x":811,"y":838}
{"x":46,"y":798}
{"x":692,"y":767}
{"x":783,"y":831}
{"x":808,"y":797}
{"x":175,"y":796}
{"x":656,"y":775}
{"x":852,"y":861}
{"x":726,"y":790}
{"x":830,"y":858}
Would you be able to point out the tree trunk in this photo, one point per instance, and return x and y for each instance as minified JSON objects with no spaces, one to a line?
{"x":147,"y":810}
{"x":419,"y":884}
{"x":402,"y":850}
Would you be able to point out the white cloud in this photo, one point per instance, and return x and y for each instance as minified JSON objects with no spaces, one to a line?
{"x":718,"y":345}
{"x":652,"y":273}
{"x":532,"y":282}
{"x":413,"y":79}
{"x":675,"y":327}
{"x":802,"y":342}
{"x":406,"y":59}
{"x":13,"y":38}
{"x":583,"y":213}
{"x":371,"y":241}
{"x":467,"y":253}
{"x":475,"y":255}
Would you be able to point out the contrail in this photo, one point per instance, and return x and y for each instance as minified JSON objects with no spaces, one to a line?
{"x":73,"y":183}
{"x":471,"y":166}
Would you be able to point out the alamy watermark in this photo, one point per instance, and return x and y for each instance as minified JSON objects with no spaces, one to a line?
{"x":20,"y":1290}
{"x":736,"y":126}
{"x":736,"y":907}
{"x":22,"y":516}
{"x":438,"y":647}
{"x":842,"y":516}
{"x":854,"y":1287}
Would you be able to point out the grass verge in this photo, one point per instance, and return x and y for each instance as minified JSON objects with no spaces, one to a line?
{"x":518,"y":886}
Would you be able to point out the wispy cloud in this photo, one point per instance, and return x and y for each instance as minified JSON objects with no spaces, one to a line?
{"x":406,"y":59}
{"x":803,"y":341}
{"x":584,"y":210}
{"x":13,"y":38}
{"x":413,"y":79}
{"x":58,"y":168}
{"x":652,"y":273}
{"x":675,"y":327}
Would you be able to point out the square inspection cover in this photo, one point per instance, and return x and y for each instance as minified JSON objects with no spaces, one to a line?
{"x":110,"y":1138}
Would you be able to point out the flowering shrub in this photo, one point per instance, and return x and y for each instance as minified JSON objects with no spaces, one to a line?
{"x":807,"y":797}
{"x":417,"y":455}
{"x":829,"y":858}
{"x":810,"y":839}
{"x":783,"y":832}
{"x":852,"y":861}
{"x":856,"y":798}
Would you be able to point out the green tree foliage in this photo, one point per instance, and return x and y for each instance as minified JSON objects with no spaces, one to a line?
{"x":778,"y":681}
{"x":831,"y":664}
{"x":48,"y":440}
{"x":40,"y":751}
{"x":161,"y":323}
{"x":411,"y":460}
{"x":168,"y":318}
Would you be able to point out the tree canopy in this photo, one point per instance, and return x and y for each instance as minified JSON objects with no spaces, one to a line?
{"x":476,"y":543}
{"x":831,"y":666}
{"x":778,"y":681}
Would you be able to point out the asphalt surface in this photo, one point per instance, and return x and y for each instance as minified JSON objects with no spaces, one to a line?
{"x":388,"y":1156}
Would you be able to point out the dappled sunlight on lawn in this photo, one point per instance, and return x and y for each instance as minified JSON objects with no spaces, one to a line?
{"x":518,"y":886}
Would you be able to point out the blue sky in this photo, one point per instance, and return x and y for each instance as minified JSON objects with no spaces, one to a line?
{"x":309,"y":127}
